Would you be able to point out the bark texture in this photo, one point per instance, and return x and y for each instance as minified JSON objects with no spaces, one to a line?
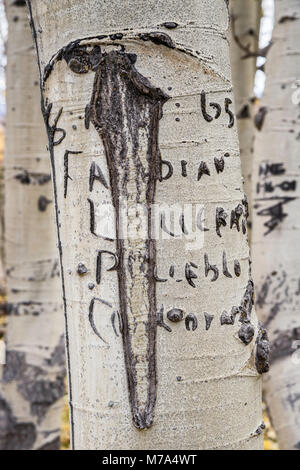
{"x":161,"y":332}
{"x":276,"y":226}
{"x":244,"y":34}
{"x":32,"y":380}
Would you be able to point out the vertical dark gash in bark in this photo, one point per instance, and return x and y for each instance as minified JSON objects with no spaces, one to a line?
{"x":125,"y":110}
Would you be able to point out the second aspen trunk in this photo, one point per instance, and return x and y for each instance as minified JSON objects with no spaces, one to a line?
{"x":244,"y":35}
{"x":32,"y":381}
{"x":276,"y":227}
{"x":161,"y":331}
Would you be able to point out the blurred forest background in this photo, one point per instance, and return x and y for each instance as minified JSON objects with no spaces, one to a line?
{"x":265,"y":36}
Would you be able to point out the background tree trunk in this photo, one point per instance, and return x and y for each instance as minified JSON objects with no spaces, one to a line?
{"x":276,"y":257}
{"x":32,"y":384}
{"x":137,"y":103}
{"x":245,"y":17}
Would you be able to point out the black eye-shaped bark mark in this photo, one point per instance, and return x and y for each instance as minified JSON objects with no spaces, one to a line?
{"x":175,"y":315}
{"x":125,"y":109}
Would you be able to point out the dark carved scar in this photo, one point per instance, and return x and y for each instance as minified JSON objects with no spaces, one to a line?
{"x":125,"y":109}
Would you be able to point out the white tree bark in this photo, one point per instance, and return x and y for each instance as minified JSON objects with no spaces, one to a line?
{"x":161,"y":334}
{"x":276,"y":257}
{"x":32,"y":380}
{"x":244,"y":35}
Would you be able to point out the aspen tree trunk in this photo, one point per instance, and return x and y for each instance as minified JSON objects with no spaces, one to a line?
{"x":244,"y":33}
{"x":161,"y":333}
{"x":32,"y":380}
{"x":276,"y":226}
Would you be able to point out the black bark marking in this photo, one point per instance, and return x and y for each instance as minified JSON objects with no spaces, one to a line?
{"x":205,"y":114}
{"x":14,"y":435}
{"x":124,"y":102}
{"x":96,"y":174}
{"x":282,"y":345}
{"x":259,"y":118}
{"x":113,"y":318}
{"x":244,"y":112}
{"x":235,"y":217}
{"x":228,"y":102}
{"x":99,"y":263}
{"x":203,"y":170}
{"x":237,"y":268}
{"x":28,"y":177}
{"x":189,"y":273}
{"x":218,"y":109}
{"x":91,"y":316}
{"x":285,"y":18}
{"x":81,"y":269}
{"x":66,"y":169}
{"x":80,"y":60}
{"x":170,"y":25}
{"x":246,"y":331}
{"x":210,"y":267}
{"x":58,"y":355}
{"x":43,"y":203}
{"x":262,"y":351}
{"x":170,"y":170}
{"x":183,"y":168}
{"x":191,"y":319}
{"x":92,"y":217}
{"x":219,"y":164}
{"x":220,"y":220}
{"x":246,"y":206}
{"x":158,"y":38}
{"x":160,"y":320}
{"x":52,"y":129}
{"x":208,"y":319}
{"x":33,"y":383}
{"x":157,"y":278}
{"x":19,"y":3}
{"x":116,"y":36}
{"x":175,"y":315}
{"x":23,"y":308}
{"x":227,"y":318}
{"x":225,"y":267}
{"x":260,"y":429}
{"x":274,"y":211}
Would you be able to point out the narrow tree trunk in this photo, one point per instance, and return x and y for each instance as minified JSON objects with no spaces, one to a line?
{"x":276,"y":225}
{"x":244,"y":34}
{"x":32,"y":381}
{"x":161,"y":334}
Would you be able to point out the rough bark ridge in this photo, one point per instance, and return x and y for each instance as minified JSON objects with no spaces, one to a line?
{"x":244,"y":34}
{"x":276,"y":258}
{"x":155,"y":83}
{"x":32,"y":380}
